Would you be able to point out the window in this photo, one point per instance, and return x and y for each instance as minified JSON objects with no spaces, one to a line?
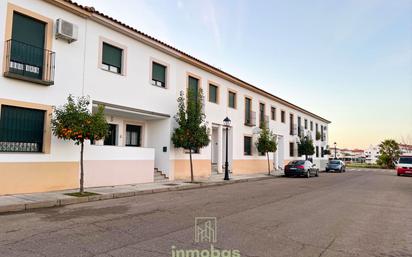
{"x":317,"y":151}
{"x":306,"y":124}
{"x":133,"y":133}
{"x":194,"y":85}
{"x":282,"y":116}
{"x":311,"y":125}
{"x":110,"y":139}
{"x":247,"y":145}
{"x":158,"y":74}
{"x":213,"y":93}
{"x":300,"y":126}
{"x":262,"y":114}
{"x":21,"y":129}
{"x":27,"y":46}
{"x":273,"y":113}
{"x":248,"y":111}
{"x":291,"y":132}
{"x":112,"y":58}
{"x":291,"y":149}
{"x":232,"y":100}
{"x":322,"y":152}
{"x":316,"y":126}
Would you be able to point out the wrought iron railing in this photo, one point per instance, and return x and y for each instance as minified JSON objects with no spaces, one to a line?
{"x":28,"y":62}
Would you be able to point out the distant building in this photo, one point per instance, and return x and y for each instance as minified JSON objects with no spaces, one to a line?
{"x":372,"y":154}
{"x":406,"y":149}
{"x":348,"y":155}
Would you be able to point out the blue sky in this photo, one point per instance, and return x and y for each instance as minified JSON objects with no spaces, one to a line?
{"x":348,"y":61}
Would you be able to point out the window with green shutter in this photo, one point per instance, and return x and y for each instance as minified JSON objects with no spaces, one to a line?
{"x":27,"y":46}
{"x":232,"y":99}
{"x":158,"y":74}
{"x":194,"y":85}
{"x":21,"y":129}
{"x":248,"y":111}
{"x":213,"y":93}
{"x":112,"y":58}
{"x":247,"y":145}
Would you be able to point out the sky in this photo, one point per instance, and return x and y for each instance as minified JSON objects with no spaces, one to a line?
{"x":349,"y":61}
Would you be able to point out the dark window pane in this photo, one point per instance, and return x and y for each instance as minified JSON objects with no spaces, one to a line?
{"x":247,"y":145}
{"x":159,"y":74}
{"x":194,"y":85}
{"x":111,"y":136}
{"x":273,"y":113}
{"x":133,"y":134}
{"x":291,"y":149}
{"x":213,"y":93}
{"x":232,"y":99}
{"x":112,"y":56}
{"x":21,"y":129}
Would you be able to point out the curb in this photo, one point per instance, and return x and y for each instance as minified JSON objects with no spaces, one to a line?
{"x":21,"y":207}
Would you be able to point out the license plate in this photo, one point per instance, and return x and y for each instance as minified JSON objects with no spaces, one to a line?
{"x":408,"y":171}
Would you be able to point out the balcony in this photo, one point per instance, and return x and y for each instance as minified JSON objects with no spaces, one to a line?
{"x":250,"y":118}
{"x":29,"y":63}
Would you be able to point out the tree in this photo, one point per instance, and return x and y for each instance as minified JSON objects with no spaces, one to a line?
{"x":192,"y":132}
{"x":266,"y":142}
{"x":74,"y":121}
{"x":389,"y":153}
{"x":305,"y":147}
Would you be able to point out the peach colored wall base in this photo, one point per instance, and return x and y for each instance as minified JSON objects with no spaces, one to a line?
{"x":31,"y":177}
{"x":250,"y":166}
{"x":201,"y":169}
{"x":117,"y":172}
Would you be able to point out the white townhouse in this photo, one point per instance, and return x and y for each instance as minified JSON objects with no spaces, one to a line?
{"x":53,"y":48}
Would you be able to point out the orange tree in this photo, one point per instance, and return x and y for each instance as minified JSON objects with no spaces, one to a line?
{"x":74,"y":121}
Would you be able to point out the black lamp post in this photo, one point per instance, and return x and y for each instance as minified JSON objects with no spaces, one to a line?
{"x":335,"y":149}
{"x":226,"y":123}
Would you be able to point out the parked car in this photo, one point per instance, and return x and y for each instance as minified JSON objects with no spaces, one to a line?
{"x":335,"y":165}
{"x":404,"y":165}
{"x":301,"y":168}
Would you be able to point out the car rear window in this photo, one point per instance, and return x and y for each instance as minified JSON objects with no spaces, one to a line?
{"x":297,"y":162}
{"x":405,"y":160}
{"x":334,"y":162}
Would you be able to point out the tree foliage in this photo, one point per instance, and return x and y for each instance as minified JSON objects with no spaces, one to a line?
{"x":305,"y":147}
{"x":192,"y":132}
{"x":389,"y":153}
{"x":74,"y":121}
{"x":266,"y":142}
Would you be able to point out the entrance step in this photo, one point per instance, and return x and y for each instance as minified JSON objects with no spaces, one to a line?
{"x":214,"y":169}
{"x":159,"y":177}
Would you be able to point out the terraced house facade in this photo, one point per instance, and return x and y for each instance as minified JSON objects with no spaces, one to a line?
{"x":53,"y":48}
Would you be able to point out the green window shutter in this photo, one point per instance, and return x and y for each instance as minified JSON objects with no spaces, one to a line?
{"x":212,"y":93}
{"x":112,"y":56}
{"x":232,"y":99}
{"x":247,"y":111}
{"x":27,"y":46}
{"x":247,"y":145}
{"x":159,"y":73}
{"x":194,"y":85}
{"x":28,"y":30}
{"x":21,"y":129}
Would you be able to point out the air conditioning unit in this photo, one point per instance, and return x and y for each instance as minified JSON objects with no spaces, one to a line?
{"x":66,"y":30}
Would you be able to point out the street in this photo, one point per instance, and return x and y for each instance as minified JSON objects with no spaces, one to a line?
{"x":357,"y":213}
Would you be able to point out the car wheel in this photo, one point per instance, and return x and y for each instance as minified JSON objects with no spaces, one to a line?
{"x":398,"y":174}
{"x":317,"y":174}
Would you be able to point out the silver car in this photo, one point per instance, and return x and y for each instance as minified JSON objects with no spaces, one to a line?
{"x":336,"y":165}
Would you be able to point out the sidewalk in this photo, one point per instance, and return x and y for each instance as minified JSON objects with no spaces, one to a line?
{"x":22,"y":202}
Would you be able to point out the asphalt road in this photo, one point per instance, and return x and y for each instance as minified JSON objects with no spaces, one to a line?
{"x":357,"y":213}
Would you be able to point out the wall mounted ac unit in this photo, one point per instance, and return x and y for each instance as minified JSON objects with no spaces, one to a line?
{"x":66,"y":30}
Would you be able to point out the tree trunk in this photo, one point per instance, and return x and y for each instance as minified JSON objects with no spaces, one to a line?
{"x":81,"y":169}
{"x":191,"y":165}
{"x":267,"y":154}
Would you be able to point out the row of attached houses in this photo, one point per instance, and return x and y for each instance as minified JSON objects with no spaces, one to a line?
{"x":53,"y":48}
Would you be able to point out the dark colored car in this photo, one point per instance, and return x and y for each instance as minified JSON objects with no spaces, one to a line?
{"x":301,"y":168}
{"x":335,"y":165}
{"x":404,"y":165}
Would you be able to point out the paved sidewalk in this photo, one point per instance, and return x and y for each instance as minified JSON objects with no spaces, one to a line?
{"x":22,"y":202}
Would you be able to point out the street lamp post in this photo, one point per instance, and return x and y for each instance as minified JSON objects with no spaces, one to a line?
{"x":226,"y":123}
{"x":335,"y":149}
